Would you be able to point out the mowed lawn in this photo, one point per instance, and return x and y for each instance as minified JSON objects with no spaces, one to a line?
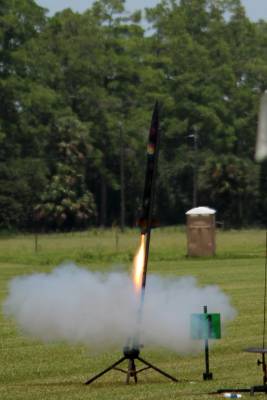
{"x":32,"y":370}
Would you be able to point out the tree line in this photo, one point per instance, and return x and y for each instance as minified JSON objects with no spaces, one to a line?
{"x":76,"y":95}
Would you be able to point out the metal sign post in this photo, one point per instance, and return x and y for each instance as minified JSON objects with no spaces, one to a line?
{"x":204,"y":327}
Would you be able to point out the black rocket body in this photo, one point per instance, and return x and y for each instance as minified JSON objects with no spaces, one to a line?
{"x":146,"y":221}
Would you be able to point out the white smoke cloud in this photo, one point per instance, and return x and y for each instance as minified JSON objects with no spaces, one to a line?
{"x":100,"y":309}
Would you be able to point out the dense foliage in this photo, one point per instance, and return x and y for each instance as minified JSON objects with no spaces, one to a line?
{"x":76,"y":95}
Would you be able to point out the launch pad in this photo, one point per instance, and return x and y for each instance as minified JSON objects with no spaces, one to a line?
{"x":131,"y":355}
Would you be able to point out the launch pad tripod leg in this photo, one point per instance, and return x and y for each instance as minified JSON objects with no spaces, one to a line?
{"x":113,"y":366}
{"x":149,"y":365}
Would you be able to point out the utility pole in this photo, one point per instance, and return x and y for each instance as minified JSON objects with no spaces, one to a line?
{"x":195,"y":166}
{"x":122,"y":180}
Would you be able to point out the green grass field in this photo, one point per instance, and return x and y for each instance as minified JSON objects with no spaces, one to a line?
{"x":32,"y":370}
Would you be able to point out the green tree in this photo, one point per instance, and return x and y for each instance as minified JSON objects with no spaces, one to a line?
{"x":20,"y":21}
{"x":66,"y":203}
{"x":233,"y":181}
{"x":21,"y":182}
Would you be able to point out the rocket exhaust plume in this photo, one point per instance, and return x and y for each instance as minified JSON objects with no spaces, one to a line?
{"x":138,"y":264}
{"x":76,"y":305}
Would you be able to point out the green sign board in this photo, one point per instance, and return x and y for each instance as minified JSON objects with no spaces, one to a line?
{"x":205,"y":326}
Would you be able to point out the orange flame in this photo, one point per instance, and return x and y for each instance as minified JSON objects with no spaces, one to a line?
{"x":139,"y":261}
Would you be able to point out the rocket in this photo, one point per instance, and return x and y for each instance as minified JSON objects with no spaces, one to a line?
{"x":146,"y":222}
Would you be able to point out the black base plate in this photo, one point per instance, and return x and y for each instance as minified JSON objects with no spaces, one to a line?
{"x":207,"y":376}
